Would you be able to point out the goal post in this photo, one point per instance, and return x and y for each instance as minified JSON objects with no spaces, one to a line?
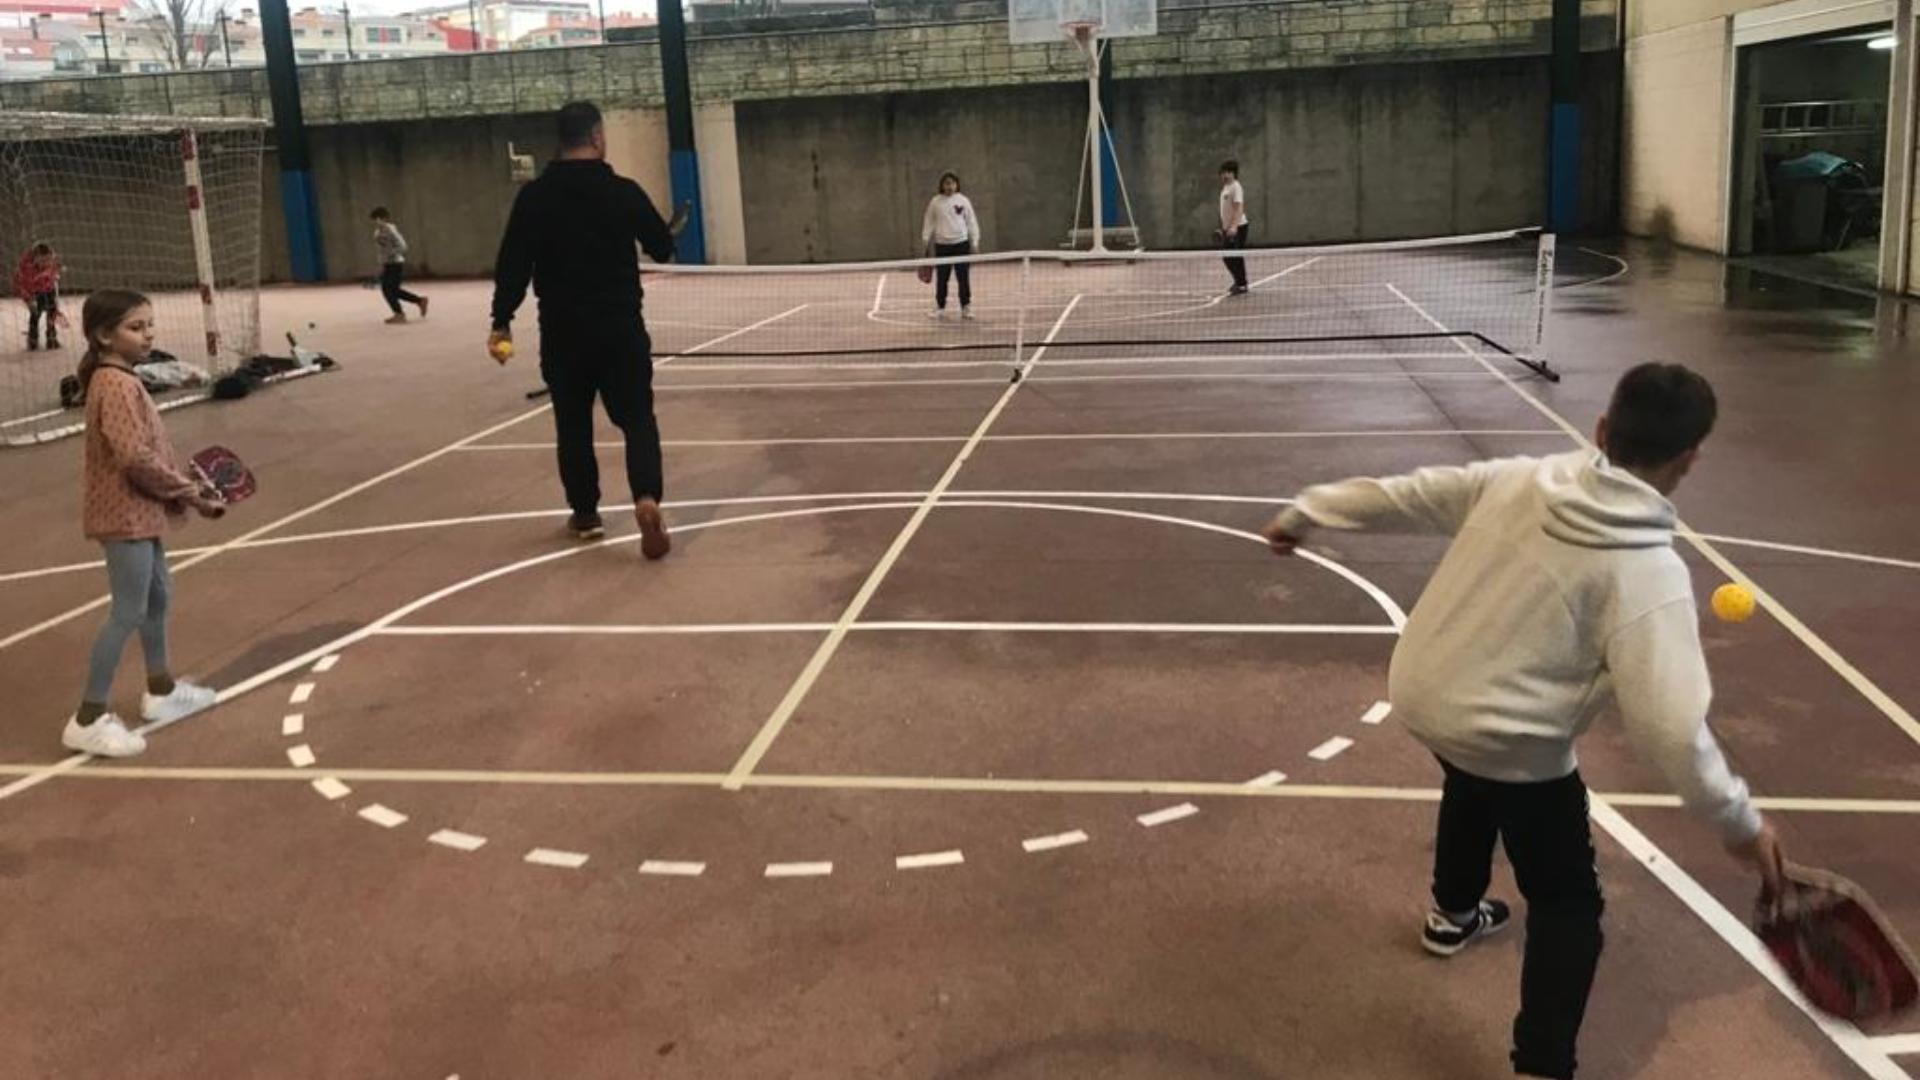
{"x":166,"y":206}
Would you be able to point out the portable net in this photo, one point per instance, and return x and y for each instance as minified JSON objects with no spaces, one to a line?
{"x":1486,"y":293}
{"x":166,"y":206}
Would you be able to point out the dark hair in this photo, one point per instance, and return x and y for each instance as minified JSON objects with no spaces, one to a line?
{"x":380,"y":214}
{"x":576,"y":123}
{"x":1230,"y":166}
{"x":105,"y":309}
{"x":946,"y":176}
{"x":41,"y":249}
{"x":1659,"y":411}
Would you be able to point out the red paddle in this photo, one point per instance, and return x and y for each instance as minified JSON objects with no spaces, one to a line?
{"x":1835,"y":945}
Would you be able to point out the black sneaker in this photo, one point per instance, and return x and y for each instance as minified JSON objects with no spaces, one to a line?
{"x":586,"y":526}
{"x":1444,"y":937}
{"x":1237,"y":290}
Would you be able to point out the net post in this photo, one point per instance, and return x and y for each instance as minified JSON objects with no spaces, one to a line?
{"x":1020,"y":315}
{"x":1542,"y":293}
{"x":202,"y":241}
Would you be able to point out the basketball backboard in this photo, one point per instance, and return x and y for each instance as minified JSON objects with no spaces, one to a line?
{"x":1044,"y":22}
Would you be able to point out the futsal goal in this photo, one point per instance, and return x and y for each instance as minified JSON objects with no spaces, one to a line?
{"x":167,"y":206}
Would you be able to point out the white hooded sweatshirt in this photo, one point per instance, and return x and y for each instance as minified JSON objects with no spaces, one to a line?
{"x":1561,"y":589}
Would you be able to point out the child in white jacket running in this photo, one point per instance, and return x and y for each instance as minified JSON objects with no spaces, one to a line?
{"x":1561,"y":590}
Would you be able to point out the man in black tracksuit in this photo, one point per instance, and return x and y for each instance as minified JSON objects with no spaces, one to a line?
{"x":573,"y":233}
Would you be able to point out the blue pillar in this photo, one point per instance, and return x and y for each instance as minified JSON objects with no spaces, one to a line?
{"x":1563,"y":122}
{"x":682,"y":164}
{"x":302,"y":215}
{"x":685,"y":171}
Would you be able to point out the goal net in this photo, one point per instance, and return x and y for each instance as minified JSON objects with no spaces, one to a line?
{"x":166,"y":206}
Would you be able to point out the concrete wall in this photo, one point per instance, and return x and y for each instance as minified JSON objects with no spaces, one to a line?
{"x":836,"y":179}
{"x":1354,"y":153}
{"x":1676,"y":146}
{"x":900,"y":46}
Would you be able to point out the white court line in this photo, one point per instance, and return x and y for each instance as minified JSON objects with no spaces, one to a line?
{"x":331,"y":788}
{"x":1096,"y":436}
{"x":565,"y":860}
{"x":697,"y":629}
{"x":670,"y":868}
{"x":1377,"y":712}
{"x":1131,"y":628}
{"x":879,"y":291}
{"x":1824,"y":553}
{"x":301,"y":755}
{"x":384,"y":816}
{"x":1854,"y":677}
{"x":1276,"y":277}
{"x":798,"y":869}
{"x":325,"y":664}
{"x":763,"y":740}
{"x":271,"y":526}
{"x":1846,"y":1037}
{"x":293,"y":724}
{"x":74,"y":761}
{"x":1036,"y":844}
{"x":458,"y":841}
{"x":1735,"y":933}
{"x":1167,"y":815}
{"x":955,"y":784}
{"x":829,"y":384}
{"x":1897,"y":1044}
{"x":642,"y":629}
{"x":1265,"y":376}
{"x":929,"y":860}
{"x":1268,"y":779}
{"x":302,"y":693}
{"x":1331,"y":749}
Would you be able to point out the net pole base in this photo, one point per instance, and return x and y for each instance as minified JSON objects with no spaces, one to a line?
{"x":1538,"y":367}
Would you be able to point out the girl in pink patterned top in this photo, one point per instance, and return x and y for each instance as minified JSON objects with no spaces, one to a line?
{"x":133,"y":486}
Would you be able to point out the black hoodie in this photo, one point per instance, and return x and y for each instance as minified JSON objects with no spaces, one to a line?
{"x":572,"y":232}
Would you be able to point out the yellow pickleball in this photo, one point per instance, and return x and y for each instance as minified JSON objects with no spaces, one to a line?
{"x":1733,"y":603}
{"x":503,"y":350}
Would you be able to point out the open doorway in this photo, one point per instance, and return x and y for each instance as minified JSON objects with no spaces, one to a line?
{"x":1812,"y":155}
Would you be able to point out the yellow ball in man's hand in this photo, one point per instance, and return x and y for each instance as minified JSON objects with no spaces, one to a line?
{"x":502,"y":350}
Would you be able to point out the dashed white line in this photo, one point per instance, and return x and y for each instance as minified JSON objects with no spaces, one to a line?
{"x":293,"y":724}
{"x":383,"y":816}
{"x":929,"y":860}
{"x":1330,"y":749}
{"x":1036,"y":844}
{"x":1377,"y":713}
{"x":669,"y":868}
{"x":325,"y":664}
{"x":1268,"y":779}
{"x":300,"y":694}
{"x":331,"y":788}
{"x":301,"y":756}
{"x":1169,"y":814}
{"x":799,"y":869}
{"x":565,"y":860}
{"x":458,"y":841}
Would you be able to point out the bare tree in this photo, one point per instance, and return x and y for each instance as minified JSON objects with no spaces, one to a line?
{"x":184,"y":33}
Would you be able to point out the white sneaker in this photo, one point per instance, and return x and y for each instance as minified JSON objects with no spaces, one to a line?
{"x":105,"y":737}
{"x":937,"y":313}
{"x":187,"y":698}
{"x":966,"y":313}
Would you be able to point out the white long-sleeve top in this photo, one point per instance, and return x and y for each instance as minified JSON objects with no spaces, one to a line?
{"x":1561,"y":589}
{"x":950,"y":220}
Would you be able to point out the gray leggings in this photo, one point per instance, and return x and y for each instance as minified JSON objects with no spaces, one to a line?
{"x":141,"y":586}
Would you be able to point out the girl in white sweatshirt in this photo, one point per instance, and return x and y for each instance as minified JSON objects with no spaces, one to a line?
{"x":950,"y":227}
{"x":1561,"y":590}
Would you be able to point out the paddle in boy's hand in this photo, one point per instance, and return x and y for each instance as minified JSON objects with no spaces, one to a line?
{"x":1836,"y":946}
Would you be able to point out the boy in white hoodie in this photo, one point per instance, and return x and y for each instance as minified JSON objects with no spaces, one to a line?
{"x":1561,"y":589}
